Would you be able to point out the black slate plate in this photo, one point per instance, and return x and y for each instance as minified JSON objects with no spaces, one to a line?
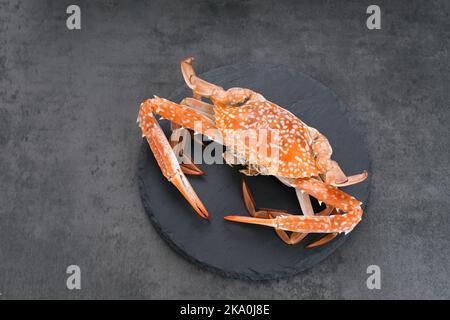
{"x":240,"y":250}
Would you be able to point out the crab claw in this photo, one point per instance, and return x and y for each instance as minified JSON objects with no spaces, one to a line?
{"x":186,"y":190}
{"x":165,"y":156}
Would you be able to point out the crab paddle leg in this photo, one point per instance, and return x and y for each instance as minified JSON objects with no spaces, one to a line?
{"x":315,"y":224}
{"x":161,"y":147}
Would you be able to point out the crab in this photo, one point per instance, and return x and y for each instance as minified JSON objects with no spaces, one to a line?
{"x":295,"y":153}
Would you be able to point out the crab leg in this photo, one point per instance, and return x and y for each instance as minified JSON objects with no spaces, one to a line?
{"x":325,"y":239}
{"x":305,"y":202}
{"x":180,"y":135}
{"x":204,"y":108}
{"x":264,"y":213}
{"x":315,"y":224}
{"x":303,"y":198}
{"x":307,"y":210}
{"x":248,"y":199}
{"x":268,"y":214}
{"x":178,"y":141}
{"x":161,"y":148}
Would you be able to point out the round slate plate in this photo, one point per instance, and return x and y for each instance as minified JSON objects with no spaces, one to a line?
{"x":241,"y":250}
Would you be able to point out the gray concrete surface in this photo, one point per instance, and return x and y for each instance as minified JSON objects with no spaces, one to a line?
{"x":69,"y":142}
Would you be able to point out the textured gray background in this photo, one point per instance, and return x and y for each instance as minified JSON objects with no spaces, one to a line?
{"x":69,"y":141}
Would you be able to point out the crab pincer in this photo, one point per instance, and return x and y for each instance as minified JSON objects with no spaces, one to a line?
{"x":165,"y":156}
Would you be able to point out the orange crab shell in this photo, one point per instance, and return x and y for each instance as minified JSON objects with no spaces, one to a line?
{"x":288,"y":143}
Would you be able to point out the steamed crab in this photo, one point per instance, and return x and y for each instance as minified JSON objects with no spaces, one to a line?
{"x":266,"y":139}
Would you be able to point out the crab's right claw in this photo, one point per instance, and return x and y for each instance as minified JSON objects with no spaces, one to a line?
{"x":165,"y":156}
{"x":188,"y":192}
